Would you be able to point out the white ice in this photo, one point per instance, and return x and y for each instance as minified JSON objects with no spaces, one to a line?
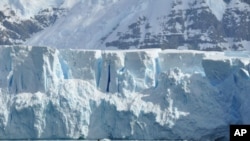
{"x":134,"y":94}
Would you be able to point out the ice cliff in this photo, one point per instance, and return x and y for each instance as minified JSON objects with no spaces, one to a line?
{"x":137,"y":94}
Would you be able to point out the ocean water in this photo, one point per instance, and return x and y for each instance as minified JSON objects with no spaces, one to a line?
{"x":85,"y":140}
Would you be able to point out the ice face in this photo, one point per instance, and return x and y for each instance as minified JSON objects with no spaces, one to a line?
{"x":134,"y":94}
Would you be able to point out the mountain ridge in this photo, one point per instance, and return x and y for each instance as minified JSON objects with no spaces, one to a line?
{"x":125,"y":24}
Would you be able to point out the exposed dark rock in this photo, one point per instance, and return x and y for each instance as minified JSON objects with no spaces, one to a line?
{"x":191,"y":27}
{"x":195,"y":28}
{"x":18,"y":31}
{"x":48,"y":16}
{"x":236,"y":24}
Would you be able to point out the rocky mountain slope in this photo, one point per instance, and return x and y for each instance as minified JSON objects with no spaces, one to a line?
{"x":124,"y":24}
{"x":16,"y":31}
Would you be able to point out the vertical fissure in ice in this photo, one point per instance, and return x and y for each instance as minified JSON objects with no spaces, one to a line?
{"x":108,"y":82}
{"x":234,"y":110}
{"x":98,"y":71}
{"x":157,"y":71}
{"x":11,"y":81}
{"x":64,"y":67}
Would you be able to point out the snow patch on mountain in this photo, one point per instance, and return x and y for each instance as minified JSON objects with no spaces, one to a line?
{"x":94,"y":22}
{"x":218,"y":8}
{"x":27,"y":9}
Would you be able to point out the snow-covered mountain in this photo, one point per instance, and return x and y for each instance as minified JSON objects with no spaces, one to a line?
{"x":62,"y":93}
{"x":123,"y":24}
{"x":48,"y":93}
{"x":19,"y":19}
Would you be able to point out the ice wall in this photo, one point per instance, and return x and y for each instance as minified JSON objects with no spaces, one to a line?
{"x":137,"y":94}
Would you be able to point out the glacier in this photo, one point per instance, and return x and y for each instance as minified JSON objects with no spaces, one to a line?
{"x":48,"y":93}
